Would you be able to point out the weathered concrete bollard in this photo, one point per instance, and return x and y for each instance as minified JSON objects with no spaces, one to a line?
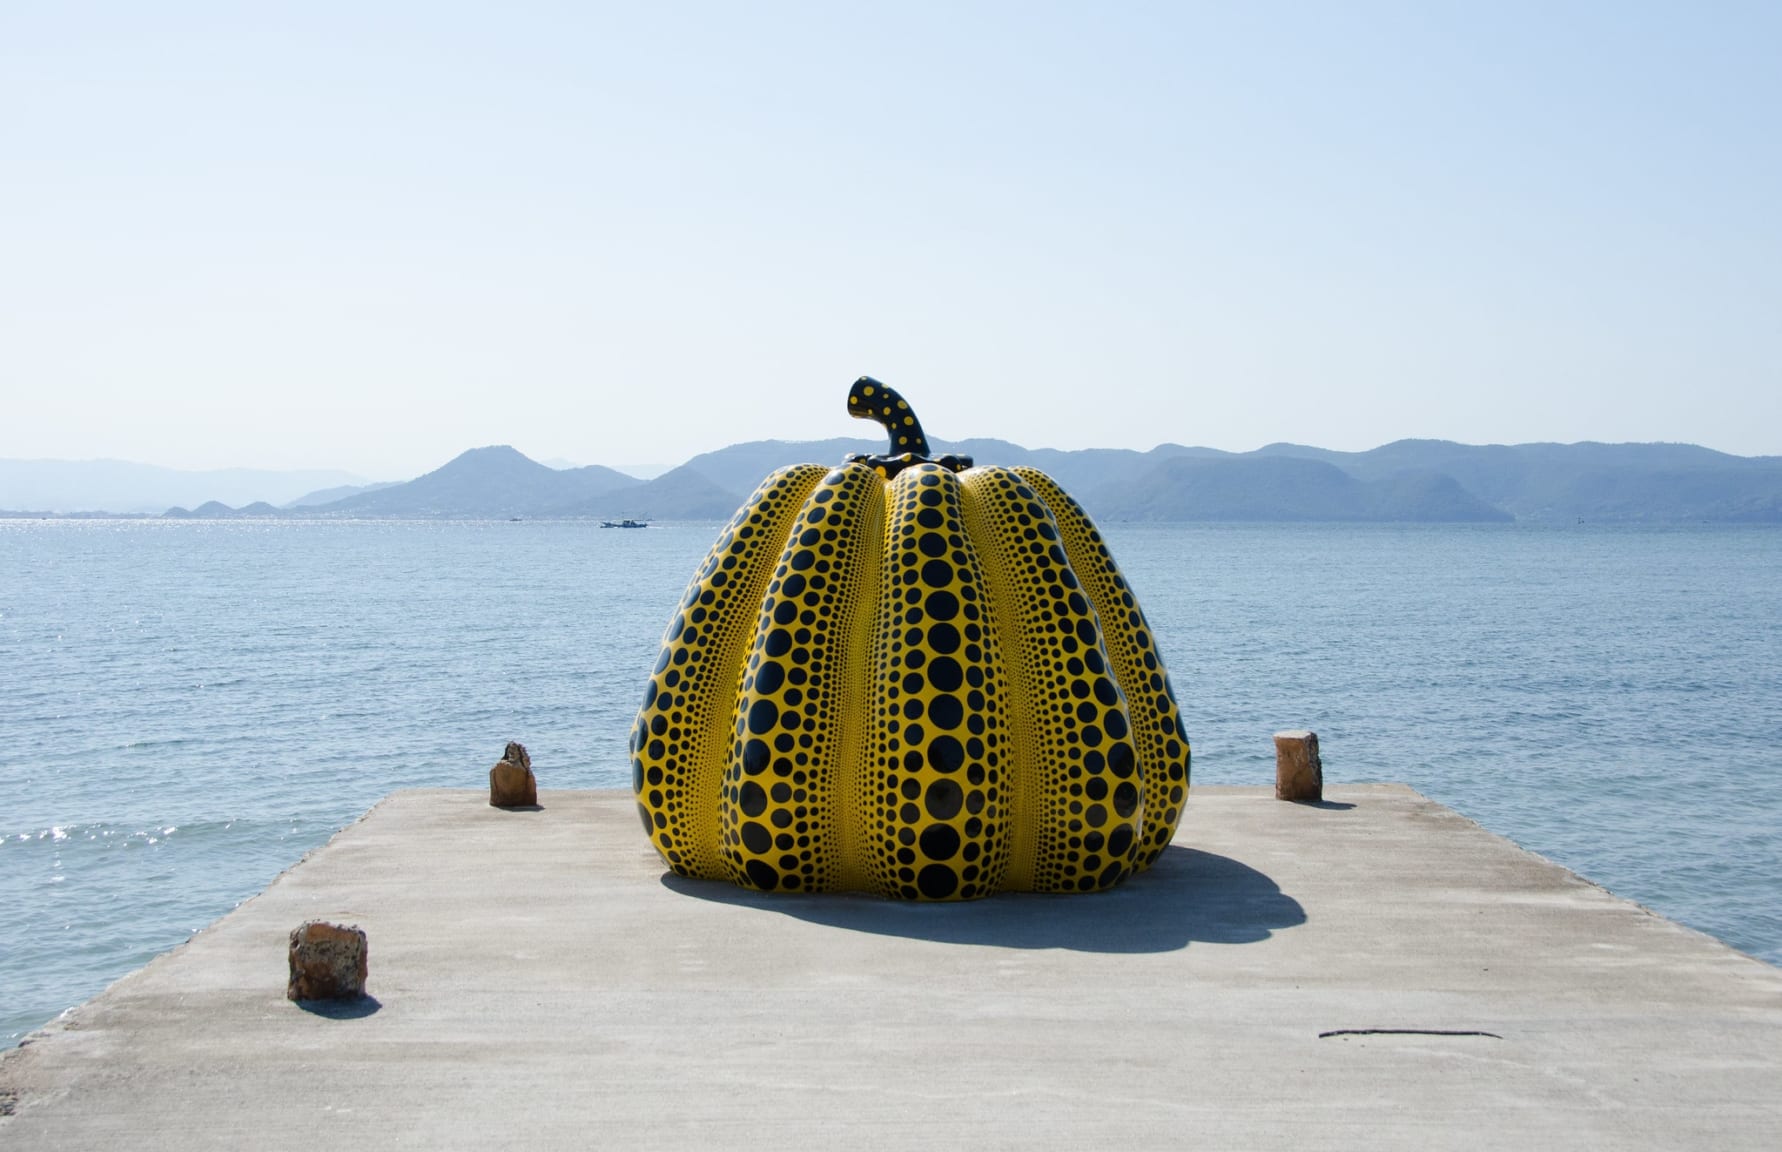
{"x":1299,"y":774}
{"x":328,"y":962}
{"x":511,"y":782}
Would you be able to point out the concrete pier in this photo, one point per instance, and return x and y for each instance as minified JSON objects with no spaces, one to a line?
{"x":1373,"y":972}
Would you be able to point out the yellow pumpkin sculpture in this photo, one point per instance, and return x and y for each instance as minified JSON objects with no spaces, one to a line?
{"x":910,"y":676}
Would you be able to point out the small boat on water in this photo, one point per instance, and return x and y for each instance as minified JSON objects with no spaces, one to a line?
{"x":626,"y":523}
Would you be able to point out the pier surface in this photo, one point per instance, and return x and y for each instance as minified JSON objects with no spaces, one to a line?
{"x":1372,"y":973}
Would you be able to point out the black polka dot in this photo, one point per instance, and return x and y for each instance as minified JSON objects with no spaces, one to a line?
{"x":944,"y":800}
{"x":937,"y":881}
{"x":939,"y":841}
{"x":756,"y":838}
{"x":762,"y":875}
{"x":945,"y":754}
{"x":946,"y":711}
{"x":1126,"y":798}
{"x":945,"y":674}
{"x":752,"y":800}
{"x":941,"y":605}
{"x":937,"y":574}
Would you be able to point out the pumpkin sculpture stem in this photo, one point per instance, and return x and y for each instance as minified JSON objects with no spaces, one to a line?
{"x":868,"y":399}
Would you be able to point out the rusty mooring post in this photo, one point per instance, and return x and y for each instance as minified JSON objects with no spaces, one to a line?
{"x":1299,"y":774}
{"x":328,"y":962}
{"x":511,"y":782}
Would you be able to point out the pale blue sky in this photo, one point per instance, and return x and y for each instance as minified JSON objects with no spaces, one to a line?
{"x":369,"y":236}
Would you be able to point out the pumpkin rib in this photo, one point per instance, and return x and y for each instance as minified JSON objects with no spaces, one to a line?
{"x":781,"y":813}
{"x":1163,"y":751}
{"x":677,"y":763}
{"x":1083,"y":770}
{"x":936,"y":826}
{"x":1025,"y":803}
{"x":856,"y":721}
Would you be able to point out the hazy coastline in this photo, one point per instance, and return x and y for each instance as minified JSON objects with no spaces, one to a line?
{"x":1408,"y":481}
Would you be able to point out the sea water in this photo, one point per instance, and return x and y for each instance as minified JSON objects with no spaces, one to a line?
{"x":187,"y":707}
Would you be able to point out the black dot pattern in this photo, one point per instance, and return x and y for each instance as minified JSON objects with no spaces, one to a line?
{"x":926,"y":680}
{"x":1082,"y":801}
{"x":1157,"y":736}
{"x":778,"y":811}
{"x":933,"y":799}
{"x":681,"y":739}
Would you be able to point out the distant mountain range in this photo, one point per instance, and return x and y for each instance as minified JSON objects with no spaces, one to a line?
{"x":61,"y":486}
{"x":1408,"y":480}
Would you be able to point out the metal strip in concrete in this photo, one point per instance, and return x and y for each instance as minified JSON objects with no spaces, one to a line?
{"x":1374,"y":973}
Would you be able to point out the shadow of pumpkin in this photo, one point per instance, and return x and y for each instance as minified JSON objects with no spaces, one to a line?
{"x":1188,"y":896}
